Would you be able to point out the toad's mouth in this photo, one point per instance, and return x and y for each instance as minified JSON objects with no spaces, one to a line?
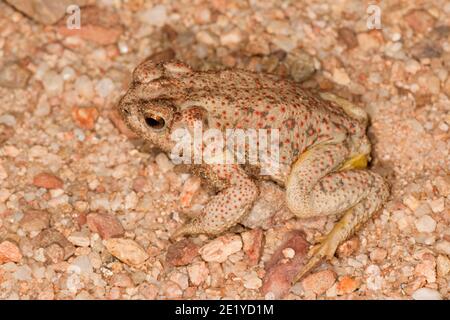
{"x":155,"y":122}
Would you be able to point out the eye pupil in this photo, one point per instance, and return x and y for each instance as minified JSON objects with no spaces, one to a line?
{"x":155,"y":122}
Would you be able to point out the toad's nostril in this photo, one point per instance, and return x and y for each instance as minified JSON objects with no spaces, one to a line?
{"x":155,"y":122}
{"x":126,"y":111}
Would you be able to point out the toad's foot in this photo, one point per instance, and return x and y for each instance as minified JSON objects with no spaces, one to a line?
{"x":318,"y":186}
{"x":328,"y":245}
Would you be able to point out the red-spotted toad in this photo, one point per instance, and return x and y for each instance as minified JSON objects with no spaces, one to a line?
{"x":323,"y":147}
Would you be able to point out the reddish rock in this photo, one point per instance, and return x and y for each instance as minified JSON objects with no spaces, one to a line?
{"x":348,"y":36}
{"x":121,"y":280}
{"x":48,"y":181}
{"x":50,"y":236}
{"x":189,"y":293}
{"x":97,"y":25}
{"x":319,"y":282}
{"x":280,"y":272}
{"x":106,"y":225}
{"x":148,"y":290}
{"x":46,"y":12}
{"x":419,"y":20}
{"x":9,"y":252}
{"x":181,"y":253}
{"x":118,"y":122}
{"x":139,"y":184}
{"x":81,"y":218}
{"x":35,"y":220}
{"x":253,"y":244}
{"x":347,"y":285}
{"x":85,"y":117}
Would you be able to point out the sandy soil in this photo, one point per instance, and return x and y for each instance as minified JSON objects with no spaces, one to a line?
{"x":86,"y":209}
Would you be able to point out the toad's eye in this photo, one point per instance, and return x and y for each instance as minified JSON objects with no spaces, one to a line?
{"x":155,"y":122}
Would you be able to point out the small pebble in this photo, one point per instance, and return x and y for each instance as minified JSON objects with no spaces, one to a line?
{"x":319,"y":282}
{"x":47,"y":180}
{"x":84,"y":87}
{"x":252,"y":281}
{"x":106,"y":225}
{"x":53,"y":83}
{"x":126,"y":250}
{"x":8,"y":120}
{"x":104,"y":87}
{"x":13,"y":76}
{"x":155,"y":16}
{"x":198,"y":272}
{"x":68,"y":73}
{"x":220,"y":248}
{"x":288,"y":253}
{"x":437,"y":205}
{"x":23,"y":273}
{"x":425,"y":224}
{"x":9,"y":252}
{"x":426,"y":294}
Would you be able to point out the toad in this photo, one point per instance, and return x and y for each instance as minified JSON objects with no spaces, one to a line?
{"x":323,"y":146}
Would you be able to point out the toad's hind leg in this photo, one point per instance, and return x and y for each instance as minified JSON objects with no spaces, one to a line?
{"x":315,"y":189}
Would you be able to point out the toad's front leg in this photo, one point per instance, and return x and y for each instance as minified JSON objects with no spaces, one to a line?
{"x":314,"y":188}
{"x":229,"y":206}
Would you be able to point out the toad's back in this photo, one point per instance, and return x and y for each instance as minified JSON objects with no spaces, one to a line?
{"x":256,"y":102}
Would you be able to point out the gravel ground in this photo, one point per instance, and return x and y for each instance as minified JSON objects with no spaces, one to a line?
{"x":86,"y":209}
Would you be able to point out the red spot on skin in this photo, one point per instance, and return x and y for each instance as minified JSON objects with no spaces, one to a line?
{"x":283,"y":109}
